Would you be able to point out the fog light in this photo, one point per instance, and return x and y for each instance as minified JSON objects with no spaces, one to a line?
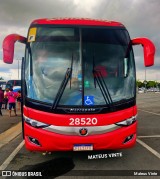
{"x":129,"y":138}
{"x":34,"y":141}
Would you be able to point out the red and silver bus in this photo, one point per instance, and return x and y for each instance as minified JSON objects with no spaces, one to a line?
{"x":78,"y":84}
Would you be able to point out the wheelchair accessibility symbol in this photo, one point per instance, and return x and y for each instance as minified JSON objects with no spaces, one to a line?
{"x":89,"y":100}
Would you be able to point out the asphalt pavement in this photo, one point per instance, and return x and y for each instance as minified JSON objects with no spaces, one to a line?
{"x":7,"y":122}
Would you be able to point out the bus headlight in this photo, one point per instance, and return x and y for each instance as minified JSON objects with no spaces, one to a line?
{"x":127,"y":122}
{"x":35,"y":123}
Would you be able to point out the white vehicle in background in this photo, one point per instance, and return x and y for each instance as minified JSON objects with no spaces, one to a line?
{"x":3,"y":84}
{"x":141,"y":90}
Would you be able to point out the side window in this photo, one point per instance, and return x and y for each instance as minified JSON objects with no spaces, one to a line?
{"x":28,"y":77}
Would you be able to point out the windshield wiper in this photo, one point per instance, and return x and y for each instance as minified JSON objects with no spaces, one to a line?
{"x":71,"y":70}
{"x":98,"y":77}
{"x":62,"y":88}
{"x":67,"y":76}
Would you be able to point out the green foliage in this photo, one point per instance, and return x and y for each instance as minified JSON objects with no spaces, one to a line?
{"x":139,"y":84}
{"x":148,"y":84}
{"x":151,"y":84}
{"x":1,"y":78}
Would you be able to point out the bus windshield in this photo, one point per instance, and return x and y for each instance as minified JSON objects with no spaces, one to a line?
{"x":99,"y":62}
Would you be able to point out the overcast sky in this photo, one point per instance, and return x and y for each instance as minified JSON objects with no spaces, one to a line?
{"x":141,"y":18}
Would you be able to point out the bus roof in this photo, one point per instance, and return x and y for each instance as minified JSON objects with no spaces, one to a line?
{"x":76,"y":21}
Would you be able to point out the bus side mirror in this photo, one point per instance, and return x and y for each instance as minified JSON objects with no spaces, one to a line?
{"x":148,"y":48}
{"x":8,"y":46}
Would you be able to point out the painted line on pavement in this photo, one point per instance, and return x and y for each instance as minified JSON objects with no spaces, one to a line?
{"x":149,"y":112}
{"x":10,"y":158}
{"x":154,"y":152}
{"x":10,"y":134}
{"x":150,"y":136}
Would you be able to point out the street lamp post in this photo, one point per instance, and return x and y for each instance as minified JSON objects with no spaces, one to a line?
{"x":18,"y":69}
{"x":145,"y":82}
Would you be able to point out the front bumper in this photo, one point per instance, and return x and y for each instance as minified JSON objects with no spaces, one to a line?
{"x":50,"y":141}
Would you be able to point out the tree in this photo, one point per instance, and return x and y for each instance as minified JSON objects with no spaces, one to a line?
{"x":1,"y":78}
{"x":139,"y":84}
{"x":151,"y":84}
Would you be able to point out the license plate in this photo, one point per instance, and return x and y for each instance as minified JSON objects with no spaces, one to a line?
{"x":82,"y":147}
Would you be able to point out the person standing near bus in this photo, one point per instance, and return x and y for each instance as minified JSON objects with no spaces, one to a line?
{"x":1,"y":99}
{"x":12,"y":96}
{"x":19,"y":99}
{"x":5,"y":98}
